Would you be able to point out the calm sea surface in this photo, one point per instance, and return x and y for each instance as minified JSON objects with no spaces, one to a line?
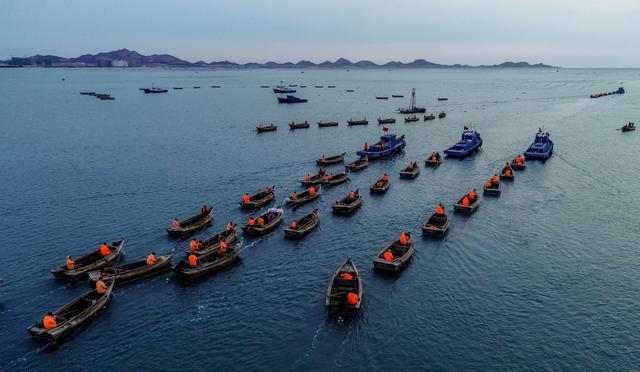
{"x":543,"y":278}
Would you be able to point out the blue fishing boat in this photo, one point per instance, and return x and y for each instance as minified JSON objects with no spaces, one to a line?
{"x":388,"y":145}
{"x":291,"y":99}
{"x":469,"y":142}
{"x":283,"y":90}
{"x":541,"y":148}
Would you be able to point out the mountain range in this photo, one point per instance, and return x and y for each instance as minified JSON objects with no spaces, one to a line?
{"x":131,"y":58}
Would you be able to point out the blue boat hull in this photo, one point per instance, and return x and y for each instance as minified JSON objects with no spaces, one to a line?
{"x":382,"y":154}
{"x":529,"y":155}
{"x":455,"y":153}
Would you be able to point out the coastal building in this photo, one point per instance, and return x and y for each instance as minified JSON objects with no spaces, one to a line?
{"x":119,"y":63}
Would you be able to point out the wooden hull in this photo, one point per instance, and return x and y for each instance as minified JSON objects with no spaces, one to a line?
{"x":315,"y":180}
{"x":258,"y":203}
{"x":199,"y":222}
{"x":359,"y":165}
{"x":331,"y":160}
{"x":493,"y":191}
{"x":186,"y":274}
{"x":435,"y":227}
{"x":266,"y":129}
{"x":81,"y":271}
{"x":386,"y":121}
{"x":433,"y":164}
{"x":303,"y":230}
{"x":504,"y":177}
{"x":298,"y":126}
{"x":518,"y":166}
{"x":121,"y":275}
{"x":304,"y":199}
{"x":410,"y":174}
{"x":335,"y":298}
{"x":380,"y":190}
{"x":322,"y":124}
{"x":398,"y":263}
{"x":357,"y":122}
{"x":336,"y":180}
{"x":212,"y":243}
{"x":347,"y":208}
{"x":92,"y":304}
{"x":458,"y":207}
{"x":265,"y":229}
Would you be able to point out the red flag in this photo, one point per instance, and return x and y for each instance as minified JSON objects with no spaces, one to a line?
{"x":385,"y":129}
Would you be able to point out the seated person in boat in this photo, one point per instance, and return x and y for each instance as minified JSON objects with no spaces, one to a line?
{"x":489,"y":185}
{"x":472,"y":195}
{"x":494,"y":179}
{"x":366,"y":146}
{"x":329,"y":177}
{"x":388,"y":256}
{"x":346,"y":276}
{"x":71,"y":264}
{"x":230,"y":227}
{"x":404,"y":238}
{"x":379,"y":183}
{"x":322,"y":157}
{"x":307,"y":178}
{"x":246,"y":198}
{"x":104,"y":249}
{"x":465,"y":201}
{"x":193,"y":245}
{"x":385,"y":178}
{"x":519,"y":160}
{"x":294,"y":225}
{"x":352,"y":298}
{"x":49,"y":321}
{"x":294,"y":196}
{"x":507,"y":172}
{"x":252,"y":222}
{"x":175,"y":224}
{"x":204,"y":210}
{"x":199,"y":245}
{"x":312,"y":190}
{"x":151,"y":258}
{"x":260,"y":221}
{"x":101,"y":287}
{"x":352,"y":195}
{"x":433,"y":157}
{"x":223,"y":246}
{"x":260,"y":125}
{"x":266,"y":191}
{"x":193,"y":260}
{"x":440,"y":209}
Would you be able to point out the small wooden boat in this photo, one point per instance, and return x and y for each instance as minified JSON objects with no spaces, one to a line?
{"x":191,"y":225}
{"x":363,"y":121}
{"x":339,"y":288}
{"x":411,"y":171}
{"x":443,"y":99}
{"x":272,"y":219}
{"x":429,"y":117}
{"x":294,"y":125}
{"x":154,"y":90}
{"x":517,"y":166}
{"x":88,"y":93}
{"x":358,"y":165}
{"x":433,"y":163}
{"x":313,"y":180}
{"x":436,"y":225}
{"x":382,"y":97}
{"x":336,"y":179}
{"x":495,"y":189}
{"x":473,"y":205}
{"x":323,"y":124}
{"x":264,"y":86}
{"x":211,"y":244}
{"x":319,"y":86}
{"x":401,"y":255}
{"x":305,"y":225}
{"x":104,"y":97}
{"x":305,"y":197}
{"x":397,"y":96}
{"x":629,"y":127}
{"x":384,"y":186}
{"x":178,"y":88}
{"x":215,"y":86}
{"x":346,"y":205}
{"x":89,"y":262}
{"x":350,"y":90}
{"x":303,"y":86}
{"x":442,"y":115}
{"x":73,"y":316}
{"x":410,"y":119}
{"x":331,"y":86}
{"x":386,"y":120}
{"x":266,"y":128}
{"x":504,"y":176}
{"x":293,"y":85}
{"x":260,"y":199}
{"x":133,"y":271}
{"x":207,"y":265}
{"x":331,"y":159}
{"x":196,"y":87}
{"x":281,"y":89}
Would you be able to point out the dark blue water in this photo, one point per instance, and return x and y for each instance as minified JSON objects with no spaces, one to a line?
{"x":544,"y":277}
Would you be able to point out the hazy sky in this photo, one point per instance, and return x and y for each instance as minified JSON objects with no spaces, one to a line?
{"x":571,"y":33}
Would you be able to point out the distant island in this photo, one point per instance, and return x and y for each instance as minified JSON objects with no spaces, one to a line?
{"x":131,"y":58}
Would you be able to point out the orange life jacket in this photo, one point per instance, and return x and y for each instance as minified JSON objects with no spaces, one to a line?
{"x":403,"y":238}
{"x":193,"y":245}
{"x":352,"y":195}
{"x":388,"y":256}
{"x":465,"y":201}
{"x":439,"y":209}
{"x":488,"y":184}
{"x":101,"y":288}
{"x":223,"y":246}
{"x":175,"y":224}
{"x":472,"y":195}
{"x":151,"y":259}
{"x":385,"y":178}
{"x":494,"y":179}
{"x":49,"y":322}
{"x":312,"y":190}
{"x":307,"y":178}
{"x":229,"y":226}
{"x":104,"y":250}
{"x":245,"y":198}
{"x":508,"y":172}
{"x":251,"y":222}
{"x":193,"y":260}
{"x":346,"y":276}
{"x":366,"y":146}
{"x":294,"y":196}
{"x":352,"y":298}
{"x":267,"y":190}
{"x":260,"y":221}
{"x":294,"y":225}
{"x":70,"y":264}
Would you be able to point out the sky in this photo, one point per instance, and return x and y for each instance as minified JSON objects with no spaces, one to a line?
{"x":568,"y":33}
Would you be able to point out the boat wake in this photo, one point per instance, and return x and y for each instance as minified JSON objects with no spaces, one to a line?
{"x":312,"y":347}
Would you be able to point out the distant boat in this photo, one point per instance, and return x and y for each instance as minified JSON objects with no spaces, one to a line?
{"x":411,"y":118}
{"x":291,"y":99}
{"x":397,"y":96}
{"x":177,"y":88}
{"x":88,"y":93}
{"x":382,"y":97}
{"x":215,"y":86}
{"x":283,"y":90}
{"x":598,"y":95}
{"x":629,"y":127}
{"x":412,"y":109}
{"x":294,"y":125}
{"x":327,"y":124}
{"x":154,"y":90}
{"x":268,"y":128}
{"x":293,"y":85}
{"x":443,"y":99}
{"x":303,"y":86}
{"x":470,"y":141}
{"x":104,"y":96}
{"x":386,"y":120}
{"x":364,"y":121}
{"x":331,"y":86}
{"x":350,"y":90}
{"x":264,"y":86}
{"x":319,"y":86}
{"x":442,"y":115}
{"x":541,"y":148}
{"x":196,"y":87}
{"x":429,"y":117}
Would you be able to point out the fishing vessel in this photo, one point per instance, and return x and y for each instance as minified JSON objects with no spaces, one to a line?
{"x":412,"y":109}
{"x":388,"y":145}
{"x":470,"y":141}
{"x":291,"y":99}
{"x":541,"y":148}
